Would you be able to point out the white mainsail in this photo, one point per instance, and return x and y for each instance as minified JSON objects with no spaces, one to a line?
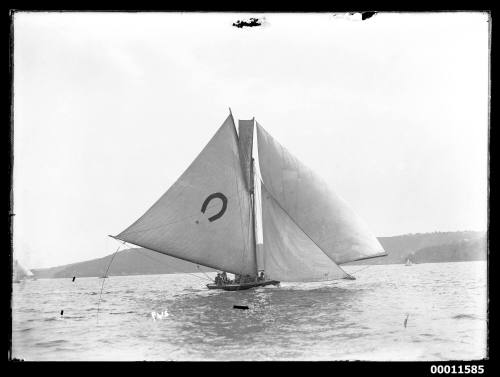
{"x":289,"y":254}
{"x":205,"y":217}
{"x":316,"y":210}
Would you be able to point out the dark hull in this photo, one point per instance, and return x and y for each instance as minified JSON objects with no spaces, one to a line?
{"x":243,"y":286}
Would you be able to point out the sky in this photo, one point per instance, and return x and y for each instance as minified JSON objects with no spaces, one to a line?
{"x":111,"y":108}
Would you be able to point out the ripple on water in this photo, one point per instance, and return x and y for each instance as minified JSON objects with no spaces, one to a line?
{"x":26,"y":329}
{"x":317,"y":321}
{"x":466,"y":316}
{"x":51,"y":343}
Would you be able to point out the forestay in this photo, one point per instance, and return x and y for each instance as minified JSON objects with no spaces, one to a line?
{"x":289,"y":254}
{"x":205,"y":217}
{"x":316,"y":209}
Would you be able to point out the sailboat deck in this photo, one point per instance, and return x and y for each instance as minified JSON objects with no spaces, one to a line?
{"x":243,"y":286}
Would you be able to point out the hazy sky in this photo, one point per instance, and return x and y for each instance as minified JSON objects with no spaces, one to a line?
{"x":109,"y":110}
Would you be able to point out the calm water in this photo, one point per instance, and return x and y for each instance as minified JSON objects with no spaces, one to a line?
{"x":341,"y":320}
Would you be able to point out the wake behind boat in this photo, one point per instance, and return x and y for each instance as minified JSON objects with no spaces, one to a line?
{"x":264,"y":216}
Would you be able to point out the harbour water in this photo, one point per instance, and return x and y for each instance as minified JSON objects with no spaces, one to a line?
{"x":174,"y":317}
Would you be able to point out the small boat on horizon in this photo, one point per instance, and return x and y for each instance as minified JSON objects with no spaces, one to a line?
{"x":20,"y":273}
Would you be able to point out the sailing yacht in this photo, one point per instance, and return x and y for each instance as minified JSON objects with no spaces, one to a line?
{"x":247,"y":206}
{"x":20,"y":273}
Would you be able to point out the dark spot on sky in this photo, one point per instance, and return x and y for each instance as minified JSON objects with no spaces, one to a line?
{"x":247,"y":23}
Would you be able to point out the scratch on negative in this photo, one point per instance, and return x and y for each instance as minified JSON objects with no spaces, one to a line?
{"x":252,"y":22}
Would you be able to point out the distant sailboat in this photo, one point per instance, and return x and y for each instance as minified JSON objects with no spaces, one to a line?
{"x":20,"y":273}
{"x":277,"y":223}
{"x":408,"y":262}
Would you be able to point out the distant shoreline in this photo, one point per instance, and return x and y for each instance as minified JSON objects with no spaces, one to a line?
{"x":213,"y":272}
{"x":436,"y":247}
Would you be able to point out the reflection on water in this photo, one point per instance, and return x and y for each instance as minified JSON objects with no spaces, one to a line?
{"x":444,"y":304}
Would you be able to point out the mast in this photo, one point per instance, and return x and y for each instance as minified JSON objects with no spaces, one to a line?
{"x":257,"y":208}
{"x":252,"y":195}
{"x":254,"y":213}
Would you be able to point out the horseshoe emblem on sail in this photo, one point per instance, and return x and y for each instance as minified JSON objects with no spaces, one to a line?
{"x":210,"y":198}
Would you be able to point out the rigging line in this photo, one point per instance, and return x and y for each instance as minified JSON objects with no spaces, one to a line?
{"x":104,"y":280}
{"x":361,"y":269}
{"x":203,"y":272}
{"x":156,"y":260}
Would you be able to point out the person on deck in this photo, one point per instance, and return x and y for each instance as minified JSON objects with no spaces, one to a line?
{"x":224,"y":278}
{"x":261,"y":276}
{"x":218,"y":279}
